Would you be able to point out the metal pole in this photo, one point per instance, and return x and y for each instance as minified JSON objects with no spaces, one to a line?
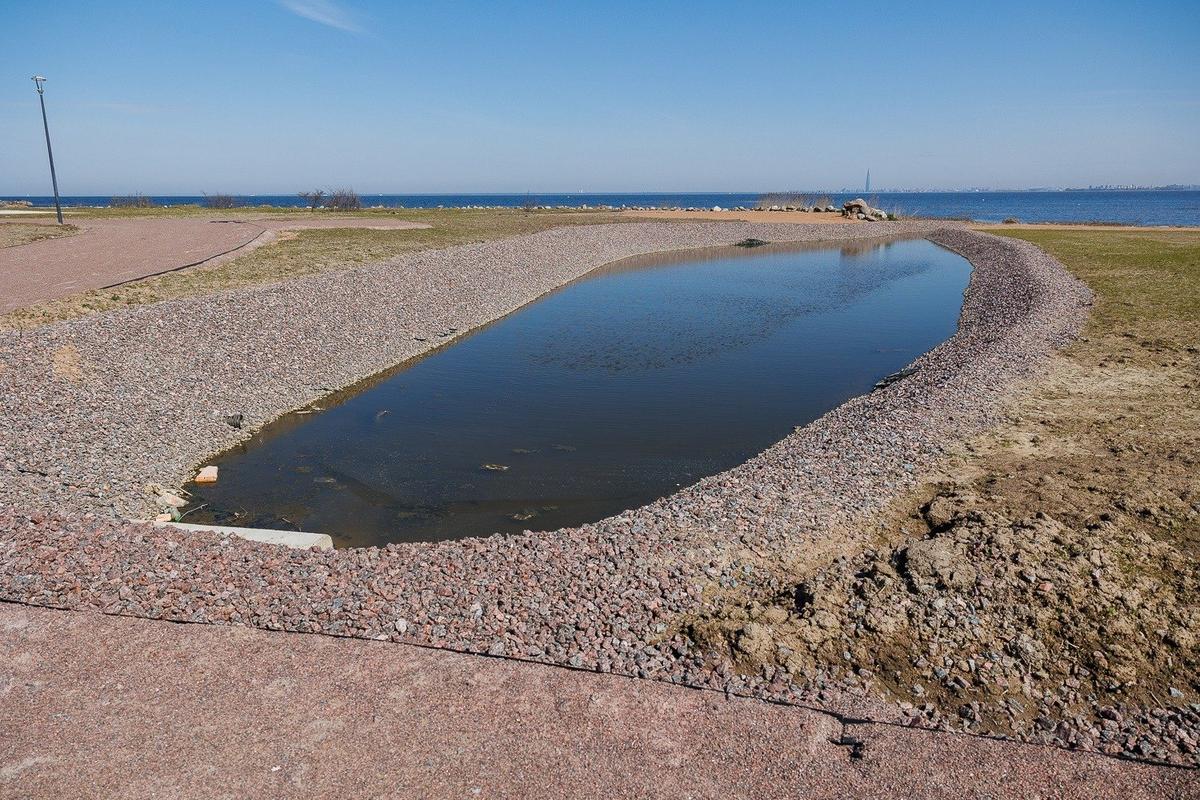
{"x":39,"y":80}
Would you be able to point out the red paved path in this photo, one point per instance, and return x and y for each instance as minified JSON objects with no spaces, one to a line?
{"x":109,"y":251}
{"x":100,"y":706}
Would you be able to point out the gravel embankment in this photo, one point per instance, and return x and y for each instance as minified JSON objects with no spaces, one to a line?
{"x":95,"y":408}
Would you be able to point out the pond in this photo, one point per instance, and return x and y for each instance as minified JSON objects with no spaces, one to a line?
{"x":621,"y":387}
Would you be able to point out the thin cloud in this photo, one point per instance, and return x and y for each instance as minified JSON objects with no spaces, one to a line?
{"x":124,"y":108}
{"x":325,"y":12}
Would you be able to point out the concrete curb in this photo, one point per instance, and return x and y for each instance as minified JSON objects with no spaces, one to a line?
{"x":300,"y":540}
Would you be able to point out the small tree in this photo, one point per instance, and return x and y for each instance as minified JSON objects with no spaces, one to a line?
{"x":344,"y":200}
{"x":312,"y":199}
{"x":220,"y":200}
{"x":529,"y":204}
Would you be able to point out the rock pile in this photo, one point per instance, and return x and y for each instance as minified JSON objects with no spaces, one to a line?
{"x":861,"y":209}
{"x":1026,"y":628}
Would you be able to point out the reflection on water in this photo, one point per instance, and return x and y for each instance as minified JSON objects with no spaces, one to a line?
{"x":619,"y":388}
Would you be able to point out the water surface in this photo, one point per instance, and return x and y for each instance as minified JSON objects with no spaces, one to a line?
{"x":615,"y":390}
{"x":1128,"y":207}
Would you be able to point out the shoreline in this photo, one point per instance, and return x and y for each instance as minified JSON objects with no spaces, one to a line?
{"x":739,"y":214}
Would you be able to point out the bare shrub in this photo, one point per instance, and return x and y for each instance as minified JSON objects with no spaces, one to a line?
{"x":529,"y":204}
{"x":312,"y":199}
{"x":131,"y":201}
{"x":220,"y":201}
{"x":783,"y":200}
{"x":344,"y":200}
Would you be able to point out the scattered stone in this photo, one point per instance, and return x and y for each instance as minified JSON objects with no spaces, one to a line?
{"x":171,"y":500}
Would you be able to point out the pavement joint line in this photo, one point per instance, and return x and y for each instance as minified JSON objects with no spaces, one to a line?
{"x":845,"y":739}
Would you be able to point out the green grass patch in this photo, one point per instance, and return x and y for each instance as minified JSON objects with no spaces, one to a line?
{"x":1147,"y":283}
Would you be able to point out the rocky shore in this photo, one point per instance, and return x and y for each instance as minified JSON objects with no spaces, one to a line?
{"x":698,"y":588}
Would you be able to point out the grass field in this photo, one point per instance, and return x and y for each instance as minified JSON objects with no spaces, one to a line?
{"x":1147,"y":282}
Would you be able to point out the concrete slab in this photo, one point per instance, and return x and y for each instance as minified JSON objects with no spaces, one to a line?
{"x":115,"y":707}
{"x":301,"y":540}
{"x":111,"y":251}
{"x":108,"y":251}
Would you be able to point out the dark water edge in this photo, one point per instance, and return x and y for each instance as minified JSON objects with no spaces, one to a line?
{"x":1125,"y":207}
{"x":619,"y":388}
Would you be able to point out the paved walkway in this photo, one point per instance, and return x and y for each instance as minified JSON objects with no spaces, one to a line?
{"x":102,"y":706}
{"x":111,"y":251}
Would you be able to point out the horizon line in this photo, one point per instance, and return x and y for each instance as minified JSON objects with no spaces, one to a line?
{"x":631,"y":193}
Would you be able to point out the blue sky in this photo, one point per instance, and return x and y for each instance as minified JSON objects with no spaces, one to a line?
{"x":275,"y":96}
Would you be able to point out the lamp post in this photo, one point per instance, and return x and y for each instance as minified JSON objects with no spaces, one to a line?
{"x":39,"y":80}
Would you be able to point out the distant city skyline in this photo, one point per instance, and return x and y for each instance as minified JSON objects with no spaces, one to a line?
{"x":271,"y":97}
{"x":845,"y":190}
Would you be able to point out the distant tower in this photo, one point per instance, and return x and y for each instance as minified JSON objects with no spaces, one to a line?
{"x":868,"y":180}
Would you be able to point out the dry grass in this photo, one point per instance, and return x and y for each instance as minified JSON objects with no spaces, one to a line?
{"x":306,"y":252}
{"x":15,"y":233}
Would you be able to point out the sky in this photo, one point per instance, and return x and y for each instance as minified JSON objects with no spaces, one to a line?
{"x":275,"y":96}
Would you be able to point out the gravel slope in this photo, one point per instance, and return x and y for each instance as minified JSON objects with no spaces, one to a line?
{"x":95,"y":408}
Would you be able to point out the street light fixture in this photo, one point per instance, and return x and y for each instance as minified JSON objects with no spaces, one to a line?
{"x":39,"y":80}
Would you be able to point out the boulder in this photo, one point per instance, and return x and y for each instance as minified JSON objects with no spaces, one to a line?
{"x":170,"y":500}
{"x":861,"y":209}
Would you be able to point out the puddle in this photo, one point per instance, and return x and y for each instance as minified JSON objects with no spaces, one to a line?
{"x":617,"y":389}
